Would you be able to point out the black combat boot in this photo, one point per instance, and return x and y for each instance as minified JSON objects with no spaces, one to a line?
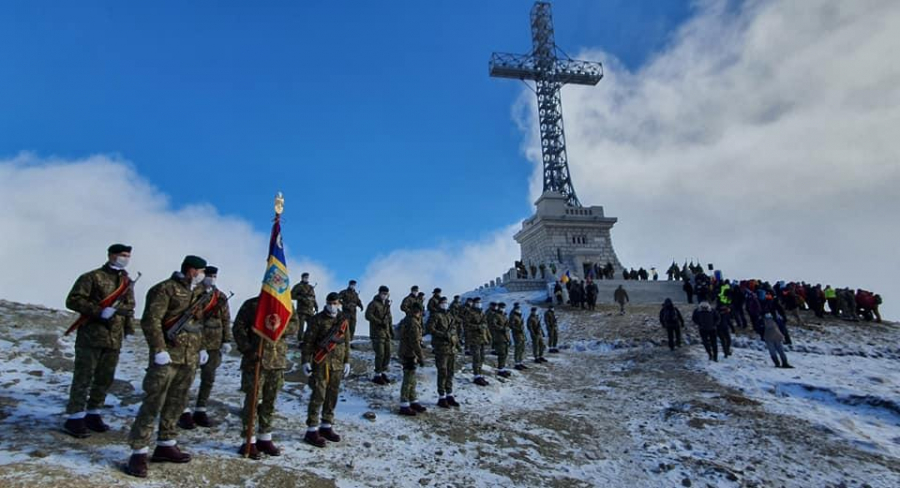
{"x":201,"y":419}
{"x":169,"y":454}
{"x":186,"y":421}
{"x":480,"y":381}
{"x":777,"y":363}
{"x":76,"y":428}
{"x":407,"y":412}
{"x":312,"y":437}
{"x":387,"y":381}
{"x":378,"y":379}
{"x":418,"y":407}
{"x":504,"y":373}
{"x":442,"y":402}
{"x":452,"y":401}
{"x":521,"y":367}
{"x":329,"y":434}
{"x":268,"y":447}
{"x":94,"y":422}
{"x":137,"y":465}
{"x":785,"y":365}
{"x":254,"y":452}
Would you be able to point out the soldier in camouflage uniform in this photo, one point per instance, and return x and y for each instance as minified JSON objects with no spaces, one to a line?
{"x":456,"y":312}
{"x":517,"y":327}
{"x":445,"y":344}
{"x":216,"y":320}
{"x":477,"y":336}
{"x":350,"y":301}
{"x":434,"y":301}
{"x":325,"y":377}
{"x":271,"y":377}
{"x":173,"y":364}
{"x":305,"y":294}
{"x":537,"y":336}
{"x":411,"y":354}
{"x":410,"y":299}
{"x":489,"y":317}
{"x":500,"y":330}
{"x":552,"y":328}
{"x":99,"y":339}
{"x":381,"y":331}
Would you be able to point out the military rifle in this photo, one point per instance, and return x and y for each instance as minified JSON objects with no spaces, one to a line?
{"x":335,"y":336}
{"x":174,"y":326}
{"x":114,"y":300}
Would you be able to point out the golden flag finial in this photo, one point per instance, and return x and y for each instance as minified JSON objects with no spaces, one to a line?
{"x":279,"y":203}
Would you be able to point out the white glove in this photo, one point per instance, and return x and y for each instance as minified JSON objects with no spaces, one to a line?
{"x":346,"y":369}
{"x":204,"y":357}
{"x":162,"y":358}
{"x":307,"y":369}
{"x":107,"y":312}
{"x":226,"y":348}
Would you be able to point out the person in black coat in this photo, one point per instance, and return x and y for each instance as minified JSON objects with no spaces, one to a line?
{"x":707,"y":321}
{"x":689,"y":291}
{"x":670,"y":318}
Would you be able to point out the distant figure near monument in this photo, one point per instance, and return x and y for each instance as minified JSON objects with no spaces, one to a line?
{"x":563,"y":233}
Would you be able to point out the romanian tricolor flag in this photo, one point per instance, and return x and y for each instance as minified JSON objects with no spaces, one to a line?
{"x":275,"y":308}
{"x":566,"y":278}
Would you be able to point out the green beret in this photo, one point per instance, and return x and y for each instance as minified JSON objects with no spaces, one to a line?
{"x":333,"y":297}
{"x":212,"y":270}
{"x":118,"y":248}
{"x":195,"y":262}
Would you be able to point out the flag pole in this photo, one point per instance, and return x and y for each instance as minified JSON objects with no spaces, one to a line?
{"x":279,"y":207}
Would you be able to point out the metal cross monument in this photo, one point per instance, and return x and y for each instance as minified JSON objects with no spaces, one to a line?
{"x":549,"y":73}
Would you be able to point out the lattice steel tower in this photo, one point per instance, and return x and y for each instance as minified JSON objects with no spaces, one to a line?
{"x":549,"y":73}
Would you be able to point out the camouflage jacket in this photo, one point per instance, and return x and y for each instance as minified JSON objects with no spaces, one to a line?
{"x":499,"y":328}
{"x":168,"y":300}
{"x":319,"y":327}
{"x":434,"y":304}
{"x":407,"y":301}
{"x":534,"y":326}
{"x":274,"y":355}
{"x":350,"y":302}
{"x":381,"y":324}
{"x":411,"y":338}
{"x":444,"y":337}
{"x":550,"y":319}
{"x":476,"y":329}
{"x":217,"y":323}
{"x":305,"y":295}
{"x":85,"y":297}
{"x":517,"y":326}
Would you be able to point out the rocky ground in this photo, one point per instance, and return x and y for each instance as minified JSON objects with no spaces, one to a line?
{"x":614,"y":408}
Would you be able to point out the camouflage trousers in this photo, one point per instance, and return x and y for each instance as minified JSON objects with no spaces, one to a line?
{"x":325,"y":383}
{"x":502,"y":349}
{"x":446,"y":367}
{"x":382,"y":347}
{"x":408,"y":387}
{"x":552,"y":336}
{"x":537,"y":346}
{"x":165,"y":395}
{"x":95,"y":368}
{"x":351,"y":323}
{"x":519,"y":349}
{"x":270,"y":383}
{"x":208,"y":377}
{"x":477,"y":358}
{"x":304,"y":323}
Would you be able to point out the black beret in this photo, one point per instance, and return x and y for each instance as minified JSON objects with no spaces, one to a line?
{"x":502,"y":304}
{"x":456,"y":297}
{"x":212,"y":270}
{"x":118,"y":248}
{"x":383,"y":289}
{"x":476,"y":299}
{"x":352,"y":282}
{"x":304,"y":275}
{"x":534,"y":309}
{"x":333,"y":297}
{"x":442,"y":300}
{"x":436,"y":290}
{"x":516,"y":304}
{"x":414,"y":288}
{"x":195,"y":262}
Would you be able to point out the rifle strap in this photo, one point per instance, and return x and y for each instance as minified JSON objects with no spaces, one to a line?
{"x":123,"y":285}
{"x":212,"y":304}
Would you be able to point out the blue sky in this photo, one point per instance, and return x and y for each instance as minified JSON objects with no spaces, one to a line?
{"x":376,"y":119}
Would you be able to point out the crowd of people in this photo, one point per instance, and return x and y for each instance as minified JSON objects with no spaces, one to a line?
{"x":187,"y":325}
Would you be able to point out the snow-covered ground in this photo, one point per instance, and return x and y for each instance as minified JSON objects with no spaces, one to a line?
{"x":615,"y":408}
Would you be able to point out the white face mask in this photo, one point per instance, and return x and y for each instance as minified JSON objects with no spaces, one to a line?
{"x":353,"y":287}
{"x":384,"y":296}
{"x":332,"y":309}
{"x":209,"y":282}
{"x":478,"y":306}
{"x":196,"y":280}
{"x":121,"y":261}
{"x":304,"y":280}
{"x":445,"y":306}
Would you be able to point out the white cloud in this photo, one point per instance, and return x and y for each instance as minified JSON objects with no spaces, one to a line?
{"x":762,"y":138}
{"x":59,"y":216}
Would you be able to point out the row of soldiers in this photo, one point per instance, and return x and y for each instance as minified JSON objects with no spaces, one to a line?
{"x":186,"y":325}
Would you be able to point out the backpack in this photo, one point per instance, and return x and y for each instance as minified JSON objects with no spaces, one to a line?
{"x":669,"y":317}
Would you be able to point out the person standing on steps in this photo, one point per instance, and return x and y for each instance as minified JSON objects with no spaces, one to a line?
{"x":552,"y":329}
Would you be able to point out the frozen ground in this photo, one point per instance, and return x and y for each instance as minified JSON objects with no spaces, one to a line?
{"x":615,"y":408}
